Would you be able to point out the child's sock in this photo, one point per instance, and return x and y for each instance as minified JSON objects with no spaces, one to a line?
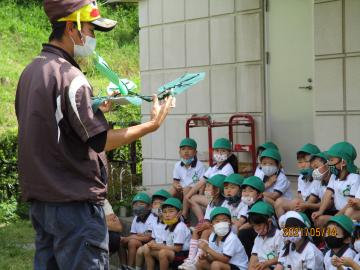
{"x":200,"y":251}
{"x":193,"y":248}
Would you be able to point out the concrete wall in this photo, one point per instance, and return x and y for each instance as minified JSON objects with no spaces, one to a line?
{"x":337,"y":72}
{"x":224,"y":39}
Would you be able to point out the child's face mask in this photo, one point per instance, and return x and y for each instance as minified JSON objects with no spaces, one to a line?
{"x":156,"y":211}
{"x":269,"y":170}
{"x":221,"y":228}
{"x":317,"y":175}
{"x":248,"y":200}
{"x":140,"y":210}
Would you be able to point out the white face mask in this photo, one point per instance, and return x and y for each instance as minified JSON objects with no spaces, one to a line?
{"x":247,"y":200}
{"x":357,"y":246}
{"x":220,"y":157}
{"x":292,"y":239}
{"x":222,"y":228}
{"x":87,"y":49}
{"x":208,"y":195}
{"x":317,"y":175}
{"x":269,"y":170}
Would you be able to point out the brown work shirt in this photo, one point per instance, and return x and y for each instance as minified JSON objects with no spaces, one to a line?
{"x":56,"y":122}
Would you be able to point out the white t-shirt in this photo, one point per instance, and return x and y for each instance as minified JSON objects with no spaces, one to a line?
{"x":209,"y":208}
{"x":281,"y":185}
{"x":230,"y":246}
{"x":268,"y":247}
{"x":236,"y":212}
{"x":226,"y":170}
{"x":188,"y":176}
{"x":140,"y":227}
{"x":107,"y":208}
{"x":343,"y":189}
{"x":328,"y":255}
{"x":181,"y":235}
{"x":304,"y":187}
{"x":308,"y":258}
{"x":259,"y":173}
{"x":158,"y":232}
{"x":318,"y":190}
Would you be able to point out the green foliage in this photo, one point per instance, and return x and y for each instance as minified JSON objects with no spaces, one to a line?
{"x":16,"y":246}
{"x":24,"y":27}
{"x":8,"y":211}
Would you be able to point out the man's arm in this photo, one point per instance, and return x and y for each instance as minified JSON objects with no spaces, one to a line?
{"x":118,"y":137}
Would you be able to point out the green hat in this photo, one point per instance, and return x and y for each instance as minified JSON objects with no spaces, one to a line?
{"x":222,"y":143}
{"x":271,"y":153}
{"x":161,"y":193}
{"x":262,"y":208}
{"x":235,"y":179}
{"x":344,"y":222}
{"x":254,"y":182}
{"x":175,"y":202}
{"x":267,"y":145}
{"x":188,"y":142}
{"x":321,"y":155}
{"x":142,"y":197}
{"x":309,"y":148}
{"x":219,"y":211}
{"x":345,"y":151}
{"x":217,"y":181}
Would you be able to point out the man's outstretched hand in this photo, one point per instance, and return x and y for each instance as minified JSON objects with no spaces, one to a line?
{"x":160,"y":111}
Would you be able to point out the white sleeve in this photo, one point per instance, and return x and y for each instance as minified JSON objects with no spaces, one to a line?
{"x":176,"y":174}
{"x":207,"y":212}
{"x":201,"y":170}
{"x":331,"y":184}
{"x":243,"y":210}
{"x":255,"y":249}
{"x":300,"y":184}
{"x":180,"y":234}
{"x":354,"y":184}
{"x":230,"y":246}
{"x":282,"y":184}
{"x":133,"y":225}
{"x":315,"y":189}
{"x":207,"y":174}
{"x":227,"y":170}
{"x":310,"y":260}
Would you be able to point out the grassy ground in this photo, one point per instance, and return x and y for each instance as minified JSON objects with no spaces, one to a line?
{"x":16,"y":246}
{"x":24,"y":27}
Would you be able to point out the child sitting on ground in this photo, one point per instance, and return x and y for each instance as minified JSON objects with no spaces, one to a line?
{"x":258,"y":172}
{"x":187,"y":172}
{"x":177,"y":237}
{"x":305,"y":180}
{"x":343,"y":183}
{"x":223,"y":250}
{"x":139,"y":232}
{"x":225,"y":163}
{"x":276,"y":183}
{"x":214,"y":191}
{"x":299,"y":252}
{"x":157,"y":228}
{"x":268,"y":242}
{"x":232,"y":193}
{"x":338,"y":233}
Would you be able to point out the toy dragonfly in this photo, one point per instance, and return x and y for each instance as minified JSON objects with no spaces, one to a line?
{"x":126,"y":87}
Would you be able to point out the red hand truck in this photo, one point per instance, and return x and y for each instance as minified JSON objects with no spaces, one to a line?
{"x":244,"y":120}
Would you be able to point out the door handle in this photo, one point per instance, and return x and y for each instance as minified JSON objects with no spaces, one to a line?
{"x":309,"y":87}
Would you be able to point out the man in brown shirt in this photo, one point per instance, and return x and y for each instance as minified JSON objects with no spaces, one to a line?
{"x":62,"y":142}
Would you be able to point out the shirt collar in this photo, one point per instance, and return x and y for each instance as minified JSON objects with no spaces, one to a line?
{"x":223,"y":165}
{"x":223,"y":239}
{"x":50,"y":48}
{"x":192,"y":164}
{"x":340,"y":252}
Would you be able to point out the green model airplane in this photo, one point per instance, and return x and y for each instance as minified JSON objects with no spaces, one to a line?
{"x":126,"y":87}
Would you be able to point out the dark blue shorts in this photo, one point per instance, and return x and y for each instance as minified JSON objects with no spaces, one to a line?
{"x":69,"y":236}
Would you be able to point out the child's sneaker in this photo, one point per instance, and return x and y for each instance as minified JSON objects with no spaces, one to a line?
{"x":186,"y":263}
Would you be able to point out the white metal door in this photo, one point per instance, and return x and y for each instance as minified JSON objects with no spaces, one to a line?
{"x":290,"y":72}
